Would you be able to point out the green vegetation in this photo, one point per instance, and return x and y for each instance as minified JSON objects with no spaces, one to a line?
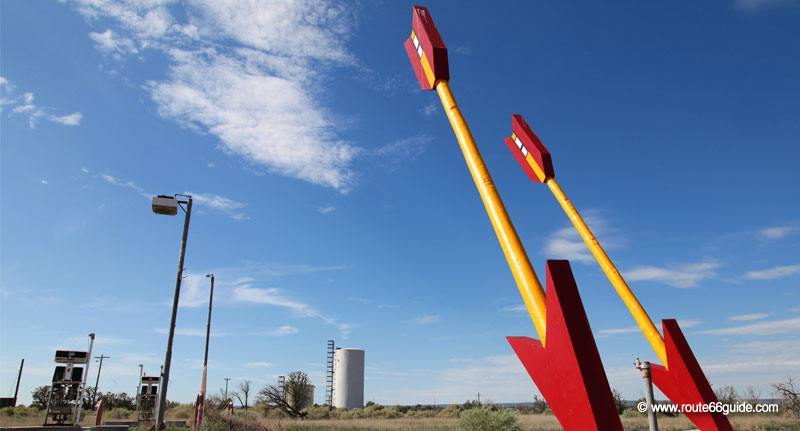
{"x":486,"y":418}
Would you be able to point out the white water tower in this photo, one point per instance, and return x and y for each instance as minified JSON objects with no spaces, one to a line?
{"x":348,"y":379}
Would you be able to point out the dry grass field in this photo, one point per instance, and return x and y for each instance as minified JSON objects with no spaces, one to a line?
{"x":529,"y":423}
{"x":532,"y":422}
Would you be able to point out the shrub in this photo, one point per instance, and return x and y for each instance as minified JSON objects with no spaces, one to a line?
{"x":118,"y":413}
{"x":486,"y":419}
{"x":451,"y":411}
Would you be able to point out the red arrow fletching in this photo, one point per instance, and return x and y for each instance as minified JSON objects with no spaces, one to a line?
{"x":426,"y":50}
{"x":529,"y":151}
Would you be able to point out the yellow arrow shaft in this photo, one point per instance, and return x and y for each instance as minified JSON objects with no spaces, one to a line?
{"x":528,"y":284}
{"x":624,"y":292}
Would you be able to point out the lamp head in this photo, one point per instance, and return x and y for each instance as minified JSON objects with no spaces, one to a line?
{"x":165,"y":205}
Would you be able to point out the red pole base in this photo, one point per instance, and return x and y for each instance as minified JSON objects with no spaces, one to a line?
{"x":684,"y":381}
{"x":98,"y":419}
{"x":569,"y":372}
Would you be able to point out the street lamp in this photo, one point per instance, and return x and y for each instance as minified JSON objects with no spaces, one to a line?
{"x":168,"y":205}
{"x":201,"y":397}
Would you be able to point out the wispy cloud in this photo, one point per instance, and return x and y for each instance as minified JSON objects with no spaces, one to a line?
{"x":773,"y":273}
{"x":110,"y":179}
{"x":23,"y":105}
{"x":113,"y":44}
{"x":748,"y":317}
{"x":328,"y":209}
{"x":777,"y":232}
{"x":212,"y":202}
{"x":231,"y":91}
{"x":516,"y":308}
{"x":680,"y":276}
{"x":431,"y":108}
{"x":259,"y":365}
{"x":393,"y":154}
{"x":277,"y":297}
{"x":786,"y":326}
{"x":566,"y":243}
{"x":221,"y":204}
{"x":280,"y":331}
{"x":427,"y":319}
{"x":618,"y":331}
{"x":683,"y":323}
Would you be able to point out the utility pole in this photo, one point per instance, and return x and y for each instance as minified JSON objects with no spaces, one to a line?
{"x":208,"y":333}
{"x":82,"y":391}
{"x":644,"y":367}
{"x":19,"y":377}
{"x":162,"y":396}
{"x":227,"y":379}
{"x":139,"y":386}
{"x":97,"y":382}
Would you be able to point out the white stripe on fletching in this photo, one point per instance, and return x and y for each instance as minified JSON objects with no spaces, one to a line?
{"x":524,"y":151}
{"x":518,"y":142}
{"x":416,"y":42}
{"x":419,"y":51}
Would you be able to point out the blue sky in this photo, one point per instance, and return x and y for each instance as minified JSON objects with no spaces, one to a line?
{"x":332,"y":200}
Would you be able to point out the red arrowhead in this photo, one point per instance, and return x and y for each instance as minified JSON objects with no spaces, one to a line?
{"x":684,"y":381}
{"x":568,"y":372}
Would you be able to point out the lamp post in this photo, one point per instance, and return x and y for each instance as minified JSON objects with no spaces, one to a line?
{"x":97,"y":382}
{"x":139,"y":386}
{"x":168,"y":205}
{"x":201,"y":397}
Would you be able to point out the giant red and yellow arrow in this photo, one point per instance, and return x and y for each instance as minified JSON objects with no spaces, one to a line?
{"x":564,"y":331}
{"x":681,"y":377}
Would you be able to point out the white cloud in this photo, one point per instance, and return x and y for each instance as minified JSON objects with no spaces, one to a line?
{"x":680,"y":276}
{"x":259,"y":365}
{"x":566,"y":243}
{"x":774,"y":272}
{"x":431,"y":108}
{"x":73,"y":119}
{"x":427,"y":319}
{"x":777,"y":232}
{"x":281,"y":331}
{"x":111,"y":43}
{"x":786,"y":326}
{"x":216,"y":203}
{"x":259,"y":93}
{"x":45,"y":182}
{"x":748,"y":317}
{"x":276,"y":297}
{"x":195,"y":289}
{"x":23,"y":105}
{"x":126,"y":184}
{"x":326,"y":209}
{"x":617,"y":331}
{"x":516,"y":308}
{"x":401,"y":150}
{"x":220,"y":203}
{"x":683,"y":323}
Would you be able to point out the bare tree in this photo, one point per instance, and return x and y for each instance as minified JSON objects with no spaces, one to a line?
{"x":727,"y":395}
{"x":243,"y":394}
{"x":790,"y":398}
{"x":295,"y":396}
{"x":40,"y":396}
{"x":751,"y":395}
